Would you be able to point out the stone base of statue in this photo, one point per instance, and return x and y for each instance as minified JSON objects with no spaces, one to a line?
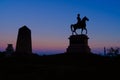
{"x":78,"y":44}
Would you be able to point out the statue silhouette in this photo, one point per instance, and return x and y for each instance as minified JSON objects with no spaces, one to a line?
{"x":78,"y":19}
{"x":81,"y":24}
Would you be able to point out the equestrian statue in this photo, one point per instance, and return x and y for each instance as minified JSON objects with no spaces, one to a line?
{"x":81,"y":24}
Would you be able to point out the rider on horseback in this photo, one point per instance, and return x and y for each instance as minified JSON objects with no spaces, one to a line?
{"x":78,"y":19}
{"x":81,"y":24}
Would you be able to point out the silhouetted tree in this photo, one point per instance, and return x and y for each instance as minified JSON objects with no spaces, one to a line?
{"x":113,"y":51}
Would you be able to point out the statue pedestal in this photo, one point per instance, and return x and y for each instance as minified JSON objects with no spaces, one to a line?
{"x":78,"y":44}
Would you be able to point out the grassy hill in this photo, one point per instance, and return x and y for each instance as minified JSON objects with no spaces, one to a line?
{"x":59,"y":66}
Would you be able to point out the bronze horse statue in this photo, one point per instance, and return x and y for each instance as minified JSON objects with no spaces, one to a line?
{"x":81,"y":25}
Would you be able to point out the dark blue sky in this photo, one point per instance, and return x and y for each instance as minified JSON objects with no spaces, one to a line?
{"x":50,"y":20}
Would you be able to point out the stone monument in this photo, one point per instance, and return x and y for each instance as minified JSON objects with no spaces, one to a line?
{"x":78,"y":43}
{"x":9,"y":49}
{"x":24,"y":45}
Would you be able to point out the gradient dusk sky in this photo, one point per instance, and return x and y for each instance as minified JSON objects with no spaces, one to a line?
{"x":50,"y":20}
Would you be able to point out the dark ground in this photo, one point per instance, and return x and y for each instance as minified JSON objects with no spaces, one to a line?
{"x":60,"y":66}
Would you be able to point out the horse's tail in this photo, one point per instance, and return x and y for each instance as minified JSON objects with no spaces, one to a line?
{"x":71,"y":27}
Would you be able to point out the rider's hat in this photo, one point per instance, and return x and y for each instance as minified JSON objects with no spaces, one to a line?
{"x":78,"y":14}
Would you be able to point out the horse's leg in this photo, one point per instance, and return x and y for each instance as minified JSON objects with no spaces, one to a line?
{"x":76,"y":32}
{"x":81,"y":30}
{"x":72,"y":32}
{"x":72,"y":29}
{"x":75,"y":28}
{"x":86,"y":30}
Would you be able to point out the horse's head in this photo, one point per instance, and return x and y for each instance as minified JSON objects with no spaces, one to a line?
{"x":85,"y":18}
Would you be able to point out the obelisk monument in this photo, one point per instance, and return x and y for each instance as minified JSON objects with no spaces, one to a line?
{"x":24,"y":43}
